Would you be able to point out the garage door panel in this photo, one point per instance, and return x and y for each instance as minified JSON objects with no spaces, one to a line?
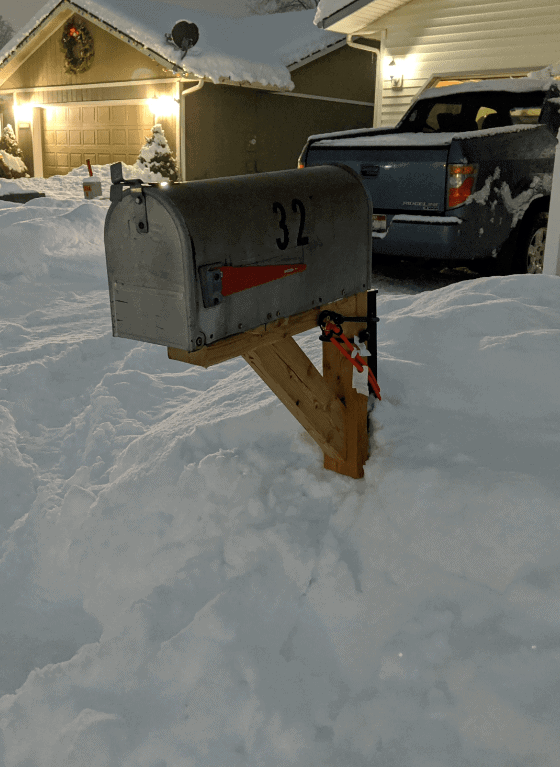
{"x":88,"y":115}
{"x":88,"y":136}
{"x":76,"y":160}
{"x":135,"y":136}
{"x":103,"y":114}
{"x":75,"y":115}
{"x":118,"y":115}
{"x":118,"y":136}
{"x":103,"y":136}
{"x":75,"y":136}
{"x":62,"y":137}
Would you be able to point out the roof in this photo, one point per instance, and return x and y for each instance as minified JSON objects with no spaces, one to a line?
{"x":253,"y":49}
{"x":350,"y":16}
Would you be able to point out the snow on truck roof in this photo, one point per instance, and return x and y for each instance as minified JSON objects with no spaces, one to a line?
{"x":414,"y":139}
{"x":256,"y":49}
{"x":505,"y":85}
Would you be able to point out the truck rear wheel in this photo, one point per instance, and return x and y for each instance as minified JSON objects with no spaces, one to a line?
{"x":529,"y":258}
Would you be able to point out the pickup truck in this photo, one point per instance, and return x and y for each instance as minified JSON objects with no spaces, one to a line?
{"x":464,"y":177}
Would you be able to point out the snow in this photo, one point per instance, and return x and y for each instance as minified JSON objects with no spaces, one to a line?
{"x":328,"y":7}
{"x":13,"y":163}
{"x":516,"y":206}
{"x":255,"y":49}
{"x":390,"y":139}
{"x":184,"y":585}
{"x":373,"y":139}
{"x":427,"y":219}
{"x":509,"y":85}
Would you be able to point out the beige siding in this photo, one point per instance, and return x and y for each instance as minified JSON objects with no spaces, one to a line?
{"x":114,"y":60}
{"x":346,"y":73}
{"x":232,"y":131}
{"x":464,"y":37}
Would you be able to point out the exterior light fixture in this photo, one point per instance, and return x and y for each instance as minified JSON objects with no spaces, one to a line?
{"x":395,"y":74}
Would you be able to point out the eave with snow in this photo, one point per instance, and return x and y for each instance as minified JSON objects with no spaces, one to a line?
{"x":431,"y":43}
{"x":136,"y":68}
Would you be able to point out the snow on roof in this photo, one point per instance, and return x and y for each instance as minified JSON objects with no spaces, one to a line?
{"x":510,"y":85}
{"x":328,"y":7}
{"x":255,"y":49}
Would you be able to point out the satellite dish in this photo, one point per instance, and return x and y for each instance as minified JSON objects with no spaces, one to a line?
{"x":184,"y":36}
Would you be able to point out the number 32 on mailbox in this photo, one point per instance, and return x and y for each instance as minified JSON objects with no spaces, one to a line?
{"x":236,"y":266}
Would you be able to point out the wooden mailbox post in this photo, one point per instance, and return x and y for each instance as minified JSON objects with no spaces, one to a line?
{"x":332,"y":412}
{"x":237,"y":266}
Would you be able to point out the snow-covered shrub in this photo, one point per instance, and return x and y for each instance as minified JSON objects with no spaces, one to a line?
{"x":156,"y":155}
{"x":11,"y":162}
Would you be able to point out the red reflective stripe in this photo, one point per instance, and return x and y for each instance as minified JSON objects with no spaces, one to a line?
{"x":238,"y":278}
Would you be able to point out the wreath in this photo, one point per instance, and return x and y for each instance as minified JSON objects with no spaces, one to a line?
{"x":77,"y":45}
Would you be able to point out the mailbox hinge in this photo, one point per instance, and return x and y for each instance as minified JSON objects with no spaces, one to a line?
{"x":139,"y":214}
{"x":139,"y":210}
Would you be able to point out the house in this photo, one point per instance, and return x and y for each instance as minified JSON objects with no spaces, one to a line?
{"x":431,"y":43}
{"x":87,"y":79}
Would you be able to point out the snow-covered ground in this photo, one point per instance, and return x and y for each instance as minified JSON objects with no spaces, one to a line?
{"x":182,"y":584}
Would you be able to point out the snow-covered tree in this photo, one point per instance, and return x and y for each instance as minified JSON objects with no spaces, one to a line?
{"x":156,"y":155}
{"x":9,"y":142}
{"x":6,"y":32}
{"x":11,"y":162}
{"x":260,"y":7}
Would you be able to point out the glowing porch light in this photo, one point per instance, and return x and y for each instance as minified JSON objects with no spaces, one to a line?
{"x":23,"y":113}
{"x":162,"y":106}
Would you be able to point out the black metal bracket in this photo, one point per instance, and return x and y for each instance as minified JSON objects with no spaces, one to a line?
{"x":367,"y":335}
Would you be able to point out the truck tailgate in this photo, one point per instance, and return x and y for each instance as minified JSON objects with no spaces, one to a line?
{"x":402,"y":172}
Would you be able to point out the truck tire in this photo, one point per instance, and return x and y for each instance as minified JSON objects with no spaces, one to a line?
{"x":529,"y":256}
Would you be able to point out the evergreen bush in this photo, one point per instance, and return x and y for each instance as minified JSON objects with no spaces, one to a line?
{"x":156,"y":155}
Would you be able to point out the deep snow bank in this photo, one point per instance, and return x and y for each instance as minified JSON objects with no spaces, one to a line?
{"x":183,"y":585}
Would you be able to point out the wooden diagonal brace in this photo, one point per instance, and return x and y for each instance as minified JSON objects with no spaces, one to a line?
{"x":291,"y":375}
{"x":327,"y":406}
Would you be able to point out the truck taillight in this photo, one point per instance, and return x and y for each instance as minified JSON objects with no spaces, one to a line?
{"x":300,"y":165}
{"x":460,"y":182}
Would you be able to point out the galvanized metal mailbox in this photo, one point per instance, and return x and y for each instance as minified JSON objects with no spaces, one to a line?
{"x":192,"y":263}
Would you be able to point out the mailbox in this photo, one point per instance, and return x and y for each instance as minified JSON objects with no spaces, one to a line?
{"x":195,"y":262}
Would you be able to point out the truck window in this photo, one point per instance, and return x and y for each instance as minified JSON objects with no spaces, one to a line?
{"x":472,"y":111}
{"x":525,"y":115}
{"x":433,"y":119}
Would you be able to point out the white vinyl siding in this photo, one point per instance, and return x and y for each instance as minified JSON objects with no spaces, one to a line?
{"x":464,"y":38}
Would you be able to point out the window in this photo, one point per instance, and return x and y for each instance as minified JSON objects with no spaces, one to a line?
{"x":473,"y":110}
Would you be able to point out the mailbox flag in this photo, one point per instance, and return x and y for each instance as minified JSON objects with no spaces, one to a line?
{"x":238,"y":278}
